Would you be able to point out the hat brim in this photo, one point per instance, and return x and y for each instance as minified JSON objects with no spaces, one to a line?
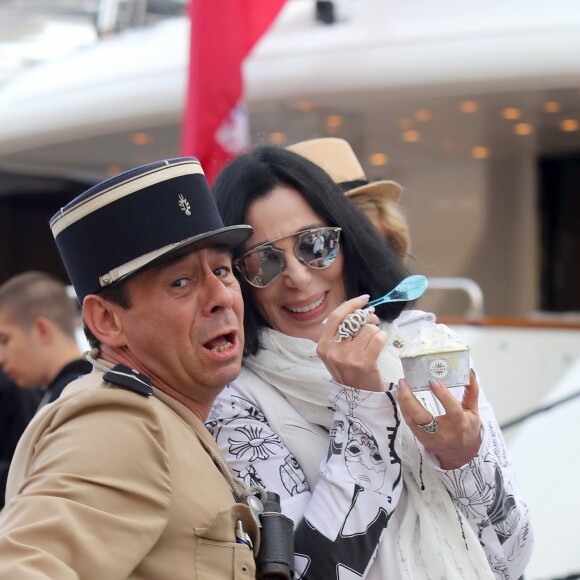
{"x":230,"y":237}
{"x":227,"y":237}
{"x":383,"y":188}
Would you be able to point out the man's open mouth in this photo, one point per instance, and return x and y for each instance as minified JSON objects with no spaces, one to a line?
{"x":221,"y":343}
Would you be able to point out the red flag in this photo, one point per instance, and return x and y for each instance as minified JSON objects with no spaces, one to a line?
{"x":223,"y":32}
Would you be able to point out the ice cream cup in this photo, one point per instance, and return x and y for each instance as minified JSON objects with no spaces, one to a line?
{"x":437,"y":353}
{"x":451,"y":368}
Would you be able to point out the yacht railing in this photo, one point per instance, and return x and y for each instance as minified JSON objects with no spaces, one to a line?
{"x":473,"y":290}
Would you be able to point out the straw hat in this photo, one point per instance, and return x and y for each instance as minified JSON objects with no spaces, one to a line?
{"x":337,"y":158}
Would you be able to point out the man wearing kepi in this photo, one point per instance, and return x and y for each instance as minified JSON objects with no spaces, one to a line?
{"x":119,"y":478}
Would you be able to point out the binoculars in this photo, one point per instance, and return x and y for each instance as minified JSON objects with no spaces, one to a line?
{"x":275,"y":560}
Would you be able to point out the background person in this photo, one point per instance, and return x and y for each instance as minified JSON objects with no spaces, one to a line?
{"x":38,"y":346}
{"x":38,"y":351}
{"x":378,"y":200}
{"x":377,"y":488}
{"x":17,"y":407}
{"x":119,"y":478}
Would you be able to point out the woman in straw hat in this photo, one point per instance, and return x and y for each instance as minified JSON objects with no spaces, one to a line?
{"x":378,"y":485}
{"x":378,"y":200}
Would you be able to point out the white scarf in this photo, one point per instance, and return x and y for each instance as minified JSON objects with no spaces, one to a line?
{"x":292,"y":367}
{"x":435,"y":541}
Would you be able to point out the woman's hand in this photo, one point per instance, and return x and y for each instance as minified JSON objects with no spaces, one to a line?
{"x":353,"y":361}
{"x":458,"y":438}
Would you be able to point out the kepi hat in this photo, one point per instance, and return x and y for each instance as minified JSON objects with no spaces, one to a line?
{"x":137,"y":218}
{"x":337,"y":158}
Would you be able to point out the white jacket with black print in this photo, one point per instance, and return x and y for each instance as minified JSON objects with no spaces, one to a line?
{"x":344,"y":488}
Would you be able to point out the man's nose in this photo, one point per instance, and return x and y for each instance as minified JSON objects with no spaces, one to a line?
{"x":217,"y":294}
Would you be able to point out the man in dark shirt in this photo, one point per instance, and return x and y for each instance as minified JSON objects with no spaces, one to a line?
{"x":17,"y":406}
{"x":38,"y":346}
{"x":38,"y":352}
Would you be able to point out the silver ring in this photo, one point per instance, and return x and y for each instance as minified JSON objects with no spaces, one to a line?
{"x":432,"y":426}
{"x":352,"y":324}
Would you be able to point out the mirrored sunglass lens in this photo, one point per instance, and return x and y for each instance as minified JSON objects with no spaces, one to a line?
{"x":262,"y":267}
{"x":318,"y":249}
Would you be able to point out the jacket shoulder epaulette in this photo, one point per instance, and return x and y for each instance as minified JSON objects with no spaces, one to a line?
{"x":129,"y":379}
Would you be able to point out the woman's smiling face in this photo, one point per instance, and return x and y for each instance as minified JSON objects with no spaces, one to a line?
{"x":302,"y":297}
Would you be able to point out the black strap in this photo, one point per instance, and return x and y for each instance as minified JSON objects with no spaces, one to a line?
{"x":129,"y":379}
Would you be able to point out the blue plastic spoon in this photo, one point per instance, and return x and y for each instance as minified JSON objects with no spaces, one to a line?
{"x":408,"y":289}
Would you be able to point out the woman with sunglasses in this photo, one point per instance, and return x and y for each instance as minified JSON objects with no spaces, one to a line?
{"x":379,"y":484}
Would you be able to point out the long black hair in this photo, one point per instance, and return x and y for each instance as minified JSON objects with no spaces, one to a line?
{"x":370,"y":265}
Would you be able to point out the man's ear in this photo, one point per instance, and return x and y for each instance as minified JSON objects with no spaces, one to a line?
{"x":104,"y":321}
{"x":44,"y":328}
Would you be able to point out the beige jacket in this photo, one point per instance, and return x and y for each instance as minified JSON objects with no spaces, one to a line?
{"x":110,"y":484}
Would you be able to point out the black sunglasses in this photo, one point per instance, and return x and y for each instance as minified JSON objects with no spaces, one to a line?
{"x":317,"y":248}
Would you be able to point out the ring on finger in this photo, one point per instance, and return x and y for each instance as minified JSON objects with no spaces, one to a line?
{"x":432,"y":426}
{"x":352,"y":324}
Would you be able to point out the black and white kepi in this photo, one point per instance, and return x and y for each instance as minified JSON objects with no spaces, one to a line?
{"x":136,"y":218}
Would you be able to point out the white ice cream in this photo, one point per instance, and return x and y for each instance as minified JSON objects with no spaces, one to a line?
{"x":433,"y":339}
